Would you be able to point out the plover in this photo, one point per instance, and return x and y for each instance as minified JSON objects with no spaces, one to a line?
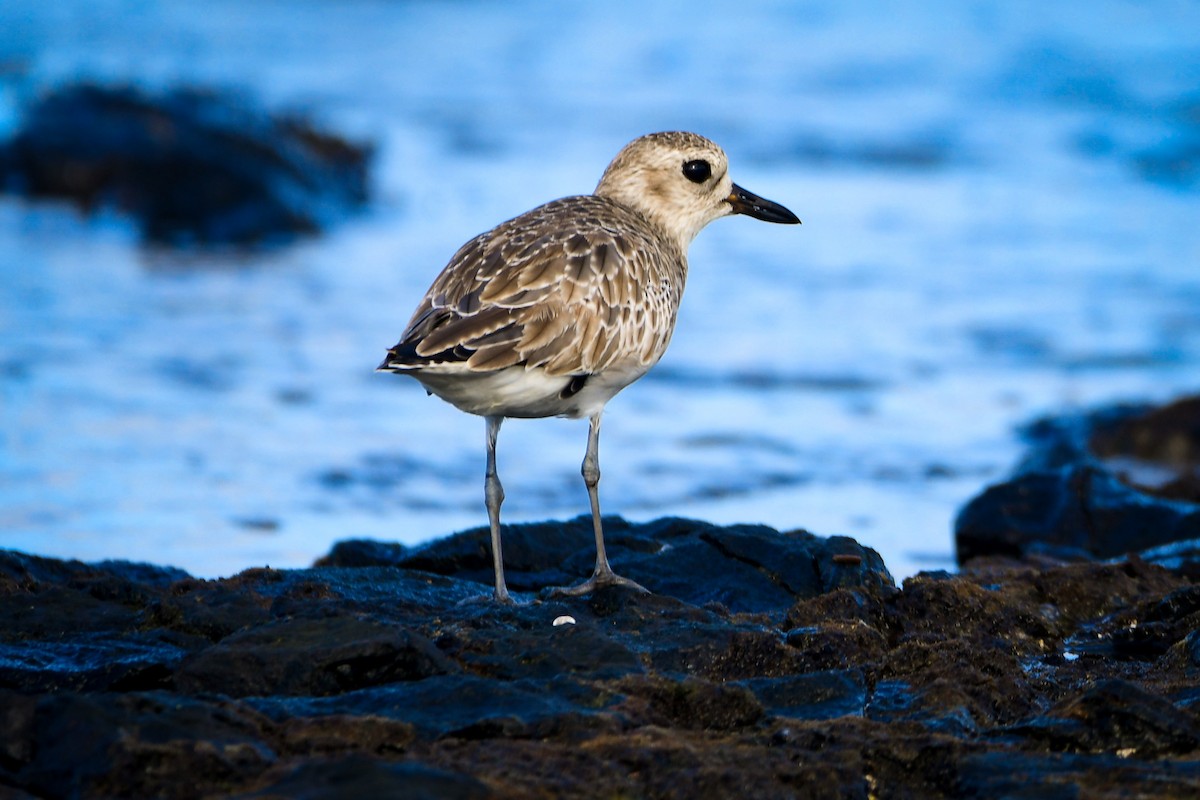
{"x":555,"y":311}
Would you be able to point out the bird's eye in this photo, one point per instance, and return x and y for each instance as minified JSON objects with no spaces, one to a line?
{"x":697,"y":171}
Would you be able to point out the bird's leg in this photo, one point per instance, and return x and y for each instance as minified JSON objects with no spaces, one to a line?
{"x":493,"y":493}
{"x":591,"y":479}
{"x":602,"y":575}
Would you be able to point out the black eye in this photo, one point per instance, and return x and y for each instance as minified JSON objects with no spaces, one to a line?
{"x":697,"y":171}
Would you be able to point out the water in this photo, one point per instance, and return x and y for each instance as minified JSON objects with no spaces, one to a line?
{"x":1000,"y":221}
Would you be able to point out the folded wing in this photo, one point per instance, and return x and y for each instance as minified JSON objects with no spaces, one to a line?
{"x":558,"y":288}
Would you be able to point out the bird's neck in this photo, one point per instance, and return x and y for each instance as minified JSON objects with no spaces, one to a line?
{"x":668,"y":228}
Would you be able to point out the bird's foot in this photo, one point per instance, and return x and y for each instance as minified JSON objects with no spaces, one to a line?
{"x":598,"y":581}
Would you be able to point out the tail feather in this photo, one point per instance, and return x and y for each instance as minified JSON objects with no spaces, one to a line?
{"x":403,"y":357}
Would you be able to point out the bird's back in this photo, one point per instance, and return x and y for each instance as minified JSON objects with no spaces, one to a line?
{"x":575,"y":287}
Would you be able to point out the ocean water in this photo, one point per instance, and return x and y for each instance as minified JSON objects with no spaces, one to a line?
{"x":1001,"y":205}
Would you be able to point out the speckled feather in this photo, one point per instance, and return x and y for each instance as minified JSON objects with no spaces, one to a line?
{"x":573,"y":287}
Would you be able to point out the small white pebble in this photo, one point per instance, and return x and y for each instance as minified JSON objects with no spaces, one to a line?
{"x":564,"y":620}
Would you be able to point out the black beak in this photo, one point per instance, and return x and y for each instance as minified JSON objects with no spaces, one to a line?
{"x":752,"y":205}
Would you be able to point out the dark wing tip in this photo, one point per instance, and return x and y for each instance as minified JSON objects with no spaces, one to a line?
{"x":403,"y":357}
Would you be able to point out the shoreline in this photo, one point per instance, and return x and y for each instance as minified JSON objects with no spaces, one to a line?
{"x":794,"y":665}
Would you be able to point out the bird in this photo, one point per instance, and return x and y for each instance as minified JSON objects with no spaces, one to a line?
{"x":555,"y":311}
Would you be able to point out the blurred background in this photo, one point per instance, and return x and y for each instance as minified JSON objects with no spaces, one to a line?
{"x":1001,"y":220}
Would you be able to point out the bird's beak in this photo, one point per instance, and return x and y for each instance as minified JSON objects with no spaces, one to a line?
{"x":752,"y":205}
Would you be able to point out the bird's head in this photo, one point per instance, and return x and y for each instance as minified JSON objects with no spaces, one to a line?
{"x":680,"y":181}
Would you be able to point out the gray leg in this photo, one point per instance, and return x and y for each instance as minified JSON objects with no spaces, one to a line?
{"x":602,"y":575}
{"x":493,"y":493}
{"x":591,"y":479}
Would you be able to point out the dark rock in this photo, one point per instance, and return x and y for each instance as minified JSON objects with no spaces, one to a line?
{"x":363,"y":553}
{"x":89,"y":663}
{"x":815,"y":695}
{"x":1167,"y":436}
{"x":1143,"y":630}
{"x":389,"y":680}
{"x":455,"y":705}
{"x":828,"y":645}
{"x":191,"y":166}
{"x":334,"y":734}
{"x":356,"y":776}
{"x":19,"y":571}
{"x":1076,"y":513}
{"x":542,"y":651}
{"x":745,"y":568}
{"x":211,"y":609}
{"x":140,"y":745}
{"x":692,"y":703}
{"x":16,"y":729}
{"x":1115,"y":716}
{"x":314,"y":657}
{"x":1039,"y":776}
{"x":1082,"y":491}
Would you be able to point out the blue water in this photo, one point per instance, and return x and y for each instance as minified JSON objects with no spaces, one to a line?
{"x":1001,"y":205}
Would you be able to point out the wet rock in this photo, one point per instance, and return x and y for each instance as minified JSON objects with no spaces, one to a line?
{"x":335,"y":734}
{"x":192,"y":166}
{"x":744,"y":568}
{"x":1073,"y":776}
{"x":1168,"y":436}
{"x":363,"y":553}
{"x":385,"y":679}
{"x":89,"y":663}
{"x":1115,"y":716}
{"x":314,"y":657}
{"x":826,"y":645}
{"x":137,"y":745}
{"x":692,"y":703}
{"x":460,"y":706}
{"x":19,"y":571}
{"x":355,"y":776}
{"x":209,"y":609}
{"x":827,"y":694}
{"x":1101,"y":485}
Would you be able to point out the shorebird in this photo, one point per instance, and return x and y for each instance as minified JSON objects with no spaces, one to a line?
{"x":555,"y":311}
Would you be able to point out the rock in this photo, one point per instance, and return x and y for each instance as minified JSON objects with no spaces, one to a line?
{"x":1093,"y":486}
{"x":693,"y":703}
{"x":812,"y":675}
{"x":363,"y":553}
{"x":459,"y":706}
{"x":827,"y":694}
{"x":1168,"y":436}
{"x":1115,"y":716}
{"x":191,"y":166}
{"x":1069,"y":776}
{"x":139,"y":745}
{"x":745,"y":568}
{"x":316,"y":657}
{"x":355,"y":776}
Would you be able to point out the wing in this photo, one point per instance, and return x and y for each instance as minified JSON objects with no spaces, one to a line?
{"x":573,"y":287}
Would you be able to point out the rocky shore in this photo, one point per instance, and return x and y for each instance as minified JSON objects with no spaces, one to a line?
{"x":192,"y":167}
{"x":1062,"y":661}
{"x":764,"y":664}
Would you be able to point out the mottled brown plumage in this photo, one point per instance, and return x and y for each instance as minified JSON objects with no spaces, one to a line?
{"x":555,"y":311}
{"x":564,"y":299}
